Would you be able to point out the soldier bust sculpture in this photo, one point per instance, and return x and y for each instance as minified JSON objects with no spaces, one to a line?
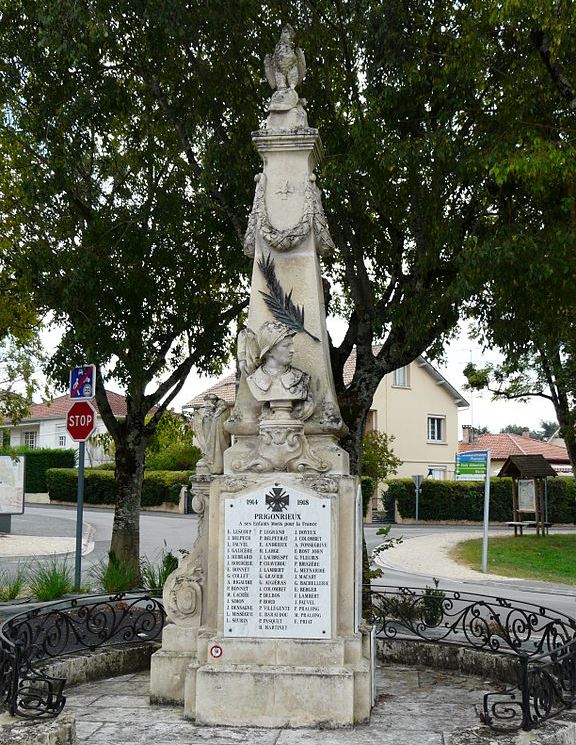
{"x":275,"y":379}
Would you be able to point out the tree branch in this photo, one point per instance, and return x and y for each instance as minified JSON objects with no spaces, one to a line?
{"x":561,"y":82}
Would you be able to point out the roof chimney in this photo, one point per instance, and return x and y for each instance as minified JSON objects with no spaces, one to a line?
{"x":468,"y":433}
{"x":525,"y":431}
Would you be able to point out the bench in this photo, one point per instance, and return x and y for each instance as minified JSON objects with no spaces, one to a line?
{"x":519,"y":525}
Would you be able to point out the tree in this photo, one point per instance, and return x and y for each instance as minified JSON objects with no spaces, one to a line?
{"x":513,"y":429}
{"x":378,"y":459}
{"x":526,"y":258}
{"x":20,"y":350}
{"x":114,"y":207}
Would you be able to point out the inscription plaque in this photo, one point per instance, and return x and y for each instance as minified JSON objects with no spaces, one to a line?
{"x":277,"y":564}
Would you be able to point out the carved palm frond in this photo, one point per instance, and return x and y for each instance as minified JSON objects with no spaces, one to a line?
{"x":278,"y":302}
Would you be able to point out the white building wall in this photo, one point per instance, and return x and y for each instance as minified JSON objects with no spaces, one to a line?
{"x":403,"y":411}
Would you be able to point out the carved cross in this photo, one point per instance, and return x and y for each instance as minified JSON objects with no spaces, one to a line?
{"x":285,"y":190}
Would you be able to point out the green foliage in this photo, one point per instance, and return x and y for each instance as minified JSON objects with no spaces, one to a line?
{"x":171,"y":447}
{"x":432,"y":604}
{"x":155,"y":574}
{"x":523,"y":258}
{"x":172,"y":429}
{"x":177,"y":457}
{"x":547,"y":429}
{"x":461,"y":500}
{"x":114,"y":575}
{"x":513,"y":429}
{"x":367,"y":485}
{"x":12,"y":583}
{"x":99,"y":486}
{"x":378,"y":459}
{"x":51,"y":580}
{"x":38,"y":461}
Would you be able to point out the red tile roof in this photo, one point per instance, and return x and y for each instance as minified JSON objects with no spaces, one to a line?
{"x":58,"y":407}
{"x":506,"y":444}
{"x":225,"y":388}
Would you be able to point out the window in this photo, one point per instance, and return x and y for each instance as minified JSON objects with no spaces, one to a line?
{"x":30,"y":439}
{"x":437,"y":473}
{"x":61,"y":438}
{"x":436,"y":427}
{"x":400,"y":377}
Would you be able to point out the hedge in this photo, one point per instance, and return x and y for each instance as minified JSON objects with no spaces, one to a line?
{"x":464,"y":500}
{"x":99,"y":486}
{"x":38,"y":461}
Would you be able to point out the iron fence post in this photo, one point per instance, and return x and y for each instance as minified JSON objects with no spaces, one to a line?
{"x":525,"y":690}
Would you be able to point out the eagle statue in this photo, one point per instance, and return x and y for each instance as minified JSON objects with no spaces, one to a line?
{"x":286,"y":67}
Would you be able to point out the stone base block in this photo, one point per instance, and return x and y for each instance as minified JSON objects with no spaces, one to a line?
{"x":167,"y":676}
{"x":278,"y":696}
{"x":59,"y":731}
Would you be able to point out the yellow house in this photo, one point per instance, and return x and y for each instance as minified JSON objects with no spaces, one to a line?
{"x":415,"y":404}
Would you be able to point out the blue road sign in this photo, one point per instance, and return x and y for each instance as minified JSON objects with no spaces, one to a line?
{"x":83,"y":383}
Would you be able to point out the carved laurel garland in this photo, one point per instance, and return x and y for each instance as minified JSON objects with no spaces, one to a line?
{"x":312,"y":217}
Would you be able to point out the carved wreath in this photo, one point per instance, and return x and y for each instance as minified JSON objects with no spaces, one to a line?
{"x":312,"y":217}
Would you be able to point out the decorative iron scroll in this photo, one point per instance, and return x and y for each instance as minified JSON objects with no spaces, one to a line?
{"x":543,"y":641}
{"x":29,"y":640}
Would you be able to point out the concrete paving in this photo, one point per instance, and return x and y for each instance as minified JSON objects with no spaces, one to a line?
{"x":414,"y":707}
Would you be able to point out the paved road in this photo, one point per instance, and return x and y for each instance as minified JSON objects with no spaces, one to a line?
{"x":178,"y":531}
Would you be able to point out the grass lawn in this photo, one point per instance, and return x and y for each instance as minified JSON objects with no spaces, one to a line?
{"x":551,"y":558}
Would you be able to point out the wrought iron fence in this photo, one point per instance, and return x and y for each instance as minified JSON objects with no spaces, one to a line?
{"x":29,"y":640}
{"x":540,"y":641}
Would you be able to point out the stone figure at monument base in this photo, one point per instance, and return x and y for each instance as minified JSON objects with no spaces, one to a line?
{"x":266,"y":609}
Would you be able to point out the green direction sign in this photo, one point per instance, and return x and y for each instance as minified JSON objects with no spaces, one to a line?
{"x":472,"y":465}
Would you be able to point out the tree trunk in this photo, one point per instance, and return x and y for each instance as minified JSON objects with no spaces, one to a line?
{"x":568,"y":433}
{"x":125,"y":542}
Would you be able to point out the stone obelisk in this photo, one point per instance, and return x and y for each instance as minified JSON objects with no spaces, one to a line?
{"x":266,"y":608}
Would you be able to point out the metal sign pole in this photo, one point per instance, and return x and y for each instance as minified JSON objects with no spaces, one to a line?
{"x":417,"y":479}
{"x":486,"y":514}
{"x":79,"y":517}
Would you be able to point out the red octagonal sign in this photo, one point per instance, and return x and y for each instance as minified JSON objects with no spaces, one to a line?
{"x":81,"y":421}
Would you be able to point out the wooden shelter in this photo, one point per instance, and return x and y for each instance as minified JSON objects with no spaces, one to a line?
{"x":529,"y":495}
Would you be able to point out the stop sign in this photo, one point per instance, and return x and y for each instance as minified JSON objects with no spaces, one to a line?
{"x":81,"y":421}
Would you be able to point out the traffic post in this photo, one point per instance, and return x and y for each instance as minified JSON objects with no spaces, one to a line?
{"x":474,"y":465}
{"x":417,"y":479}
{"x":80,"y":424}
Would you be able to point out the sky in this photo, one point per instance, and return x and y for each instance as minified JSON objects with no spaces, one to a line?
{"x":482,"y":412}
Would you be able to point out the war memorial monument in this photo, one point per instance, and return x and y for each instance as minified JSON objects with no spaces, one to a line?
{"x":266,"y":608}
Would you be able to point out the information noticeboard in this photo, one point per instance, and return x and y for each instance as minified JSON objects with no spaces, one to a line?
{"x":11,"y":485}
{"x":526,"y":495}
{"x":277,"y":564}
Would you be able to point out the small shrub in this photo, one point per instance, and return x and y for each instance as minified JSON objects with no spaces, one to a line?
{"x":177,"y":457}
{"x":51,"y":580}
{"x":154,"y":575}
{"x":432,"y":609}
{"x":12,"y":585}
{"x":115,"y":576}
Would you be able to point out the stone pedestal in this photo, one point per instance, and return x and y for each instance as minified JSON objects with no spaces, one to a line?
{"x":262,"y":678}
